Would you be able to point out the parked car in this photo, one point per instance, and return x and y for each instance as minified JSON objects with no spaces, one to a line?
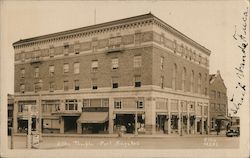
{"x":233,"y":131}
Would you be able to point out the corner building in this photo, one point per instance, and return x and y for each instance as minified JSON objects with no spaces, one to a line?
{"x":137,"y":74}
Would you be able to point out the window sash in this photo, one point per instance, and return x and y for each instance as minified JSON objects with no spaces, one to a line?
{"x":76,"y":68}
{"x":115,"y":63}
{"x":66,"y":68}
{"x":137,"y":61}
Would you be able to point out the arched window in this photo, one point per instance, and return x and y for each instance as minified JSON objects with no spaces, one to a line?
{"x":199,"y":84}
{"x":174,"y":77}
{"x":192,"y":82}
{"x":183,"y":85}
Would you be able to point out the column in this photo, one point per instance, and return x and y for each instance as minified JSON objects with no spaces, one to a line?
{"x":169,"y":117}
{"x":61,"y":125}
{"x":188,"y":118}
{"x":150,"y":119}
{"x":195,"y":126}
{"x":179,"y":115}
{"x":79,"y":128}
{"x":111,"y":115}
{"x":202,"y":119}
{"x":15,"y":111}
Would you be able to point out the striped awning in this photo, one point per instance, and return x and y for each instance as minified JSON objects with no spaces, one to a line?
{"x":93,"y":117}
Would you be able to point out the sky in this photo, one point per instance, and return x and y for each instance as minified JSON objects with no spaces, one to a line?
{"x":210,"y":23}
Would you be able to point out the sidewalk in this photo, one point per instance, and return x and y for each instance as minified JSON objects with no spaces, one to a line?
{"x":127,"y":135}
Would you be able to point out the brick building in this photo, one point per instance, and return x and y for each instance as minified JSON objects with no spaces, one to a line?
{"x":218,"y":102}
{"x":138,"y":73}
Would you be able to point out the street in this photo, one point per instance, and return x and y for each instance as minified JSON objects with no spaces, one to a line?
{"x":128,"y":142}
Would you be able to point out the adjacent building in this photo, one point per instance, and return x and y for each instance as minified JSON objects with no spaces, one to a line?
{"x":218,"y":102}
{"x":137,"y":73}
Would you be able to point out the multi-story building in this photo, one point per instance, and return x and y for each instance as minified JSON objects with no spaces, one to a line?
{"x":218,"y":102}
{"x":138,"y":73}
{"x":10,"y":112}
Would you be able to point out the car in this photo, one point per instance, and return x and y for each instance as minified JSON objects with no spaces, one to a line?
{"x":233,"y":131}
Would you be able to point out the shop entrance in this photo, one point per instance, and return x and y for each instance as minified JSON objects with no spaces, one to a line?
{"x":174,"y":124}
{"x":23,"y":125}
{"x":70,"y":125}
{"x":199,"y":127}
{"x":125,"y":120}
{"x":161,"y":123}
{"x":92,"y":128}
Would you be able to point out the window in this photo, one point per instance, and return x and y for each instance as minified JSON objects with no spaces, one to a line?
{"x":76,"y":68}
{"x":65,"y":68}
{"x":218,"y":94}
{"x":77,"y":48}
{"x":184,"y":79}
{"x":114,"y":82}
{"x":51,"y":52}
{"x":137,"y":61}
{"x":117,"y":104}
{"x":94,"y":84}
{"x":22,"y":88}
{"x":36,"y":87}
{"x":77,"y":85}
{"x":137,"y":81}
{"x":174,"y":77}
{"x":192,"y":81}
{"x":162,"y":63}
{"x":94,"y":65}
{"x":22,"y":73}
{"x":140,"y":105}
{"x":23,"y":56}
{"x":51,"y":70}
{"x":115,"y":63}
{"x":206,"y":91}
{"x":71,"y":104}
{"x":199,"y":84}
{"x":115,"y":41}
{"x":66,"y":85}
{"x":51,"y":86}
{"x":162,"y":82}
{"x":36,"y":72}
{"x":66,"y":49}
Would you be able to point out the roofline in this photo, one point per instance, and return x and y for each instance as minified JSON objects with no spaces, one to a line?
{"x":129,"y":19}
{"x":22,"y":41}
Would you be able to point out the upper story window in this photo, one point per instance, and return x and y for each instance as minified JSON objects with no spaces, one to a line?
{"x":65,"y":68}
{"x":22,"y":88}
{"x":51,"y":86}
{"x":51,"y":70}
{"x":162,"y":63}
{"x":66,"y":49}
{"x":199,"y":84}
{"x":137,"y":61}
{"x":66,"y":85}
{"x":213,"y":94}
{"x":22,"y":73}
{"x":36,"y":72}
{"x":162,"y":82}
{"x":184,"y":78}
{"x":94,"y":84}
{"x":192,"y":81}
{"x":94,"y":65}
{"x":115,"y":63}
{"x":140,"y":104}
{"x":115,"y":41}
{"x":51,"y":52}
{"x":76,"y":68}
{"x":205,"y":91}
{"x":218,"y":94}
{"x":77,"y":48}
{"x":137,"y":81}
{"x":117,"y":104}
{"x":77,"y":85}
{"x":174,"y":77}
{"x":114,"y":82}
{"x":71,"y":104}
{"x":22,"y":56}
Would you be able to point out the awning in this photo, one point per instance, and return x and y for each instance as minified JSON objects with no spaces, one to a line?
{"x":93,"y":117}
{"x":220,"y":117}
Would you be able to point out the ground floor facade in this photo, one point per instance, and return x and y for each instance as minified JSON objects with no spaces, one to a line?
{"x":143,"y":111}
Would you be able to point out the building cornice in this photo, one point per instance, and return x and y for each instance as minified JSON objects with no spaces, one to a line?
{"x":135,"y":21}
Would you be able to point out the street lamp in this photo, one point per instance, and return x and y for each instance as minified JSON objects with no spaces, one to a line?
{"x":40,"y":84}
